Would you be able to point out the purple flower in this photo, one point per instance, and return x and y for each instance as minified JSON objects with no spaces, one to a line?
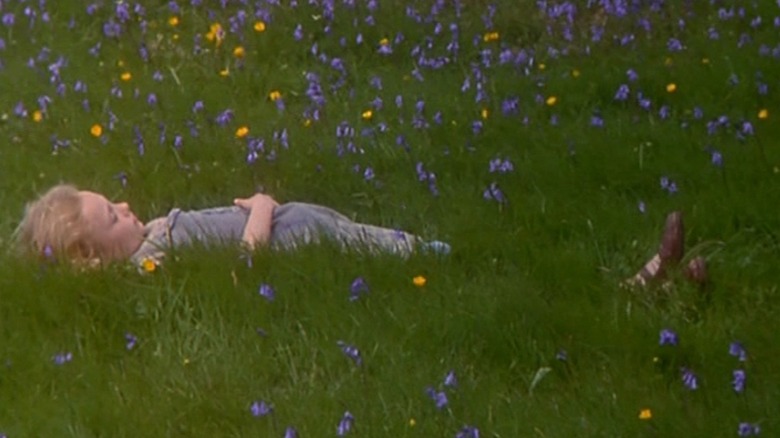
{"x":260,"y":408}
{"x":631,"y":75}
{"x":737,"y":350}
{"x":689,"y":379}
{"x":622,"y":93}
{"x":717,"y":158}
{"x":596,"y":121}
{"x":668,"y":185}
{"x":748,"y":429}
{"x":468,"y":432}
{"x":62,"y":358}
{"x":345,"y":424}
{"x":267,"y":292}
{"x":450,"y":379}
{"x":674,"y":45}
{"x":667,"y":337}
{"x":438,"y":397}
{"x":224,"y":117}
{"x":739,"y":381}
{"x":501,"y":166}
{"x":494,"y":193}
{"x":357,"y":288}
{"x":290,"y":432}
{"x":747,"y":128}
{"x":197,"y":106}
{"x":130,"y":340}
{"x":351,"y":352}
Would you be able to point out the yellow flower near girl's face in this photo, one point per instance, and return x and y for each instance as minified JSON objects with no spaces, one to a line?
{"x":419,"y":281}
{"x":148,"y":265}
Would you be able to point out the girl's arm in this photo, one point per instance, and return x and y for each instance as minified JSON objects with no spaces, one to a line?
{"x":258,"y":226}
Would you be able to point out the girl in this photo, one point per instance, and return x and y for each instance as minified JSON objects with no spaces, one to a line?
{"x":85,"y":227}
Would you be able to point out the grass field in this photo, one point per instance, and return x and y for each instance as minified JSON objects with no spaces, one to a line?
{"x":545,"y":141}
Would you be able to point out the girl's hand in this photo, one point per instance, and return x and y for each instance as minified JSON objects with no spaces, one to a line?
{"x":260,"y":221}
{"x":258,"y":200}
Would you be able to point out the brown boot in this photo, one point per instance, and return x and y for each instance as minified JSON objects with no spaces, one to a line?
{"x":669,"y":254}
{"x":696,"y":271}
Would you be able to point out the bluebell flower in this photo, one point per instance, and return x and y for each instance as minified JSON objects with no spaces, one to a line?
{"x":748,"y":429}
{"x":358,"y":288}
{"x":689,"y":379}
{"x":290,"y":432}
{"x":351,"y":352}
{"x":716,"y":158}
{"x":267,"y":292}
{"x":468,"y":432}
{"x":62,"y":358}
{"x":450,"y":379}
{"x":622,"y":93}
{"x":562,"y":355}
{"x":739,"y":381}
{"x":345,"y":424}
{"x":737,"y":350}
{"x":438,"y":397}
{"x":260,"y":408}
{"x":667,"y":337}
{"x":494,"y":193}
{"x":642,"y":207}
{"x":130,"y":341}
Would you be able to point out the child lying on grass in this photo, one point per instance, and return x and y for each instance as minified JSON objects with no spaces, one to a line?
{"x":85,"y":227}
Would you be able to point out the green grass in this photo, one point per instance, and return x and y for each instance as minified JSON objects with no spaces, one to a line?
{"x":526,"y":279}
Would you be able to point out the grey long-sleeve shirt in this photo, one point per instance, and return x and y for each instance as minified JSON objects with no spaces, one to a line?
{"x":294,"y":224}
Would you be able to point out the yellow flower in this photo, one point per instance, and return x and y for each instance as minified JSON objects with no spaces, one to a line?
{"x":259,"y":26}
{"x":37,"y":116}
{"x":412,"y":422}
{"x":763,"y":114}
{"x":242,"y":132}
{"x":490,"y":36}
{"x":671,"y":87}
{"x":575,"y":73}
{"x":705,"y":60}
{"x":120,"y":63}
{"x":239,"y":52}
{"x":668,"y":62}
{"x":551,"y":101}
{"x":224,"y":72}
{"x":126,"y":76}
{"x":419,"y":281}
{"x":307,"y":123}
{"x":215,"y":33}
{"x":148,"y":264}
{"x":274,"y":95}
{"x":542,"y":66}
{"x":186,"y":361}
{"x":645,"y":414}
{"x":485,"y":113}
{"x":384,"y":42}
{"x":173,"y":21}
{"x":96,"y":130}
{"x":367,"y":114}
{"x":175,"y":37}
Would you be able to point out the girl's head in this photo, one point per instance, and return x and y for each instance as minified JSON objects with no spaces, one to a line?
{"x":79,"y":226}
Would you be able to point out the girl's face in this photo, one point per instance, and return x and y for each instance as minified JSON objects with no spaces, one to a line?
{"x":113,"y":227}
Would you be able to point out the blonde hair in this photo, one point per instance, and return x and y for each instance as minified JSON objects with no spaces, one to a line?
{"x":53,"y":227}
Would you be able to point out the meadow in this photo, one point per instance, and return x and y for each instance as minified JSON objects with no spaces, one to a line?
{"x":545,"y":141}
